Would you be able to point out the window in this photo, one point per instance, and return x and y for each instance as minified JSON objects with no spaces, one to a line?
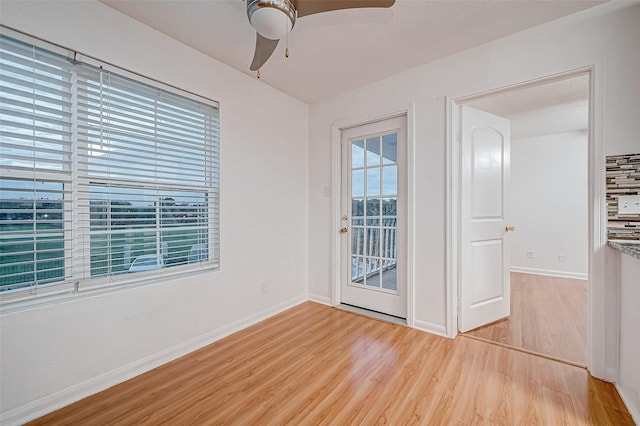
{"x":102,"y":175}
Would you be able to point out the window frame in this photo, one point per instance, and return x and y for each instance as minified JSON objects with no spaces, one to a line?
{"x":77,"y":265}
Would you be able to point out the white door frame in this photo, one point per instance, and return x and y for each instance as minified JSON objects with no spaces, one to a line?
{"x":601,"y":362}
{"x":336,"y":197}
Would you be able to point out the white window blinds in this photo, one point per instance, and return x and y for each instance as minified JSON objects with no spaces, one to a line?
{"x":103,"y":176}
{"x":36,"y":110}
{"x":35,"y":165}
{"x":148,"y":175}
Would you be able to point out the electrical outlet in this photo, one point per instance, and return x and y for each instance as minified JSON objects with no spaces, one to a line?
{"x":529,"y":254}
{"x":264,"y":287}
{"x":629,"y":204}
{"x":562,"y":258}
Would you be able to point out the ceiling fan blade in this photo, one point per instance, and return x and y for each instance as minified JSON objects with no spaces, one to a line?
{"x":264,"y":50}
{"x":309,"y":7}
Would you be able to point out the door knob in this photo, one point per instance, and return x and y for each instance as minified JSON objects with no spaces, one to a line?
{"x":510,"y":228}
{"x":343,"y":230}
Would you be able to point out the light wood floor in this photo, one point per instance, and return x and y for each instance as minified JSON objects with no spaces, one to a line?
{"x":315,"y":365}
{"x":548,"y":316}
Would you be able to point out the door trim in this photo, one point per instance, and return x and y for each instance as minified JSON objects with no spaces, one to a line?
{"x":602,"y":357}
{"x":336,"y":194}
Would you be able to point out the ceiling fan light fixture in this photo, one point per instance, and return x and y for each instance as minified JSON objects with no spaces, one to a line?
{"x":273,"y":19}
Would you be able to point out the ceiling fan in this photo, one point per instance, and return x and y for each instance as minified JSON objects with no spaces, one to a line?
{"x":273,"y":19}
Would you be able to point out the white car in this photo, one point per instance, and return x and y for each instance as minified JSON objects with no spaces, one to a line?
{"x":146,"y":262}
{"x":198,"y":253}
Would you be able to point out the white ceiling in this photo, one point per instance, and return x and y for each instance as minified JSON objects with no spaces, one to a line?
{"x":560,"y":94}
{"x":337,"y":51}
{"x":544,"y":108}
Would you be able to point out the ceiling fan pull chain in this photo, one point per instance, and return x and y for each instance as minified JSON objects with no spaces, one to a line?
{"x":258,"y":74}
{"x":286,"y":51}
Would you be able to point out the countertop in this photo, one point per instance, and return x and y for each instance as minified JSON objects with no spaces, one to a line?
{"x":631,"y":249}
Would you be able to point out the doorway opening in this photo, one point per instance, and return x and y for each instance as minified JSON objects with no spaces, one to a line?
{"x":544,"y":220}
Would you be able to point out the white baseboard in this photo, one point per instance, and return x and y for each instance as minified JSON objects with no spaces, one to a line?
{"x":49,"y":403}
{"x":551,"y":273}
{"x":607,"y":374}
{"x":632,"y":406}
{"x":323,"y":300}
{"x":428,"y":327}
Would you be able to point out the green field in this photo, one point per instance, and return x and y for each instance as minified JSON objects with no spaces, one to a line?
{"x":25,"y":259}
{"x":178,"y":246}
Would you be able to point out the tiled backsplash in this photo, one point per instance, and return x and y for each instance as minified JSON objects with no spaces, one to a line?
{"x":623,"y":178}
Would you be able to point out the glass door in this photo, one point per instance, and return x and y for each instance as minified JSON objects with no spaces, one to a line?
{"x":373,"y":220}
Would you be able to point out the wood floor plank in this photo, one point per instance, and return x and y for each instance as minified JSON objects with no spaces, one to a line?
{"x":315,"y":365}
{"x":548,"y":316}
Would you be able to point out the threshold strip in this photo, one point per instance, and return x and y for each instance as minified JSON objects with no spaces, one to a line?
{"x":526,"y":351}
{"x":372,"y":314}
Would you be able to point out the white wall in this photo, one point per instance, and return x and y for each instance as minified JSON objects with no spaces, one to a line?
{"x":605,"y":38}
{"x":549,"y":204}
{"x":53,"y":354}
{"x":629,"y":385}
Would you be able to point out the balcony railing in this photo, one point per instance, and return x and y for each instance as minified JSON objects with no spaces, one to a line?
{"x":373,"y":246}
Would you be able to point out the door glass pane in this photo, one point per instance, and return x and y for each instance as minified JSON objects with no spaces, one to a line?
{"x":357,"y":269}
{"x":357,"y":212}
{"x":389,"y":221}
{"x":373,"y":151}
{"x":372,"y":242}
{"x":390,"y":180}
{"x":388,"y":243}
{"x":373,"y":221}
{"x":357,"y":183}
{"x":373,"y":208}
{"x":389,"y":211}
{"x":373,"y":181}
{"x":373,"y":273}
{"x":373,"y":212}
{"x":357,"y":241}
{"x":357,"y":154}
{"x":389,"y":274}
{"x":390,"y":149}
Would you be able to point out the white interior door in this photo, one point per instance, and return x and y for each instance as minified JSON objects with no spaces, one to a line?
{"x":484,"y":254}
{"x":373,"y":222}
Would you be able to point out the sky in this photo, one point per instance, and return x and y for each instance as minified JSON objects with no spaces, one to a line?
{"x":367,"y":165}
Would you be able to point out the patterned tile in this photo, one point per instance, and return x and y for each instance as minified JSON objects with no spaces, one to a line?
{"x":623,"y":178}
